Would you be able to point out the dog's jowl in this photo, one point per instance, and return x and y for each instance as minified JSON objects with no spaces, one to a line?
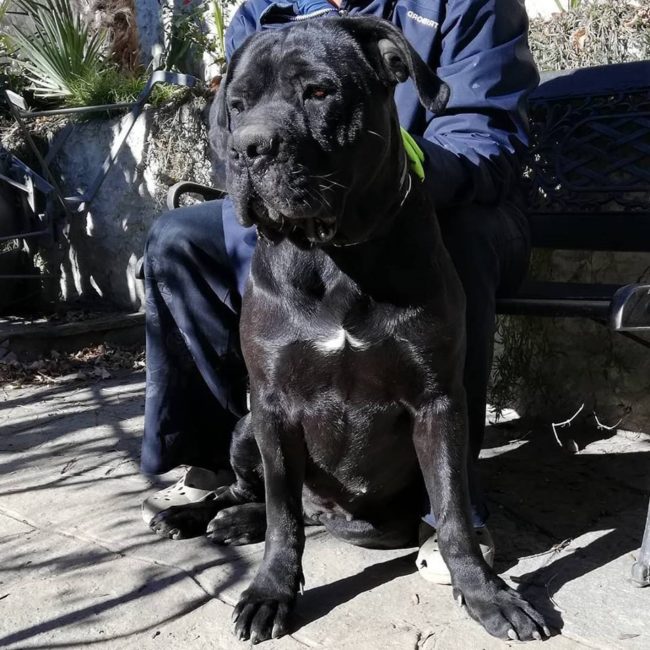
{"x":352,"y":324}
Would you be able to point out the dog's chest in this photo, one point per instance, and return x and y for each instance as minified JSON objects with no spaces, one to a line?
{"x":333,"y":317}
{"x":316,"y":333}
{"x":338,"y":341}
{"x":345,"y":348}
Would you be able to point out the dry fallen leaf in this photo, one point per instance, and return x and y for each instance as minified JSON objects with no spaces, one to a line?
{"x":98,"y":363}
{"x":578,"y":38}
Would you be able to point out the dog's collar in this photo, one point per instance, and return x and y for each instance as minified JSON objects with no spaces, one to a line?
{"x":413,"y":159}
{"x":414,"y":153}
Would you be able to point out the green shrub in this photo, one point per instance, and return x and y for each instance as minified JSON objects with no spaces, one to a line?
{"x":59,"y":52}
{"x":67,"y":64}
{"x":188,"y":35}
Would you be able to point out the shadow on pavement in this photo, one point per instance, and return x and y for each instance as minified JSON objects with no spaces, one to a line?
{"x":319,"y":601}
{"x":591,"y":506}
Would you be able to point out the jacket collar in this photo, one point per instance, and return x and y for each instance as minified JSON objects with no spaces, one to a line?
{"x":281,"y":13}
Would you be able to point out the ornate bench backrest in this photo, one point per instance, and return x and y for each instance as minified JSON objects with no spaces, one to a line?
{"x":588,"y":173}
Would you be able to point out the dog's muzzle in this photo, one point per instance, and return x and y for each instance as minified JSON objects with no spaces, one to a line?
{"x":254,"y":145}
{"x":275,"y":188}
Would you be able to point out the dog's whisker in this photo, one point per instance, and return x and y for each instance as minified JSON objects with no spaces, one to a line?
{"x":324,"y":176}
{"x":323,"y":199}
{"x":332,"y":183}
{"x":318,"y":196}
{"x":325,"y":188}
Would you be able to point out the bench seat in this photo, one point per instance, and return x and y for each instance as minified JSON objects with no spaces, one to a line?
{"x":621,"y":307}
{"x":536,"y":298}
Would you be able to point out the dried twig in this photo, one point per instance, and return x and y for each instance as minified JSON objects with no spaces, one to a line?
{"x":602,"y":426}
{"x":564,"y":424}
{"x":556,"y":548}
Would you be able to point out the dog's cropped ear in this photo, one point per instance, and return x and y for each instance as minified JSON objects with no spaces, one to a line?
{"x":399,"y":61}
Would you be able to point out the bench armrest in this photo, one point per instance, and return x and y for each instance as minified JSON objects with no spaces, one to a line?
{"x":630,"y":308}
{"x":188,"y":187}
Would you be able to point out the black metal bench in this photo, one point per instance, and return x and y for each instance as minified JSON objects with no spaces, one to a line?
{"x":588,"y":188}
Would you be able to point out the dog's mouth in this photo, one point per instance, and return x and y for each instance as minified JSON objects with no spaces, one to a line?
{"x":317,"y":229}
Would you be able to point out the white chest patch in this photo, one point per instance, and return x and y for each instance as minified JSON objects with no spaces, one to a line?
{"x":338,"y":341}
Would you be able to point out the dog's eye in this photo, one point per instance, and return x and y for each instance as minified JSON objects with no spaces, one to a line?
{"x":316,"y":92}
{"x":236,"y":106}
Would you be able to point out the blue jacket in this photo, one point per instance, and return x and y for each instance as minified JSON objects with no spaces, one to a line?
{"x":480,"y":49}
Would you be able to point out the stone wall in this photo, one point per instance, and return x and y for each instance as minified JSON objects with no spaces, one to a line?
{"x":548,"y":368}
{"x":98,"y":247}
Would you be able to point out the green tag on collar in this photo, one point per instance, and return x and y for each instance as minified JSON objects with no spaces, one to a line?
{"x":414,"y":154}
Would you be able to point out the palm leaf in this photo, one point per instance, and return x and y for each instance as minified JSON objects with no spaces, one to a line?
{"x":217,"y":14}
{"x":59,"y":50}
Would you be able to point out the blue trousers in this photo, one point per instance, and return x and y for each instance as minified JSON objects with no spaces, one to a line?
{"x":197,"y":260}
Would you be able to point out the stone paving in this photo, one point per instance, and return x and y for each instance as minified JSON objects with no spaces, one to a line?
{"x":78,"y":568}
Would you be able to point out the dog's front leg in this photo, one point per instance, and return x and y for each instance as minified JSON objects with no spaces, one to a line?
{"x":440,"y":439}
{"x":263,"y":609}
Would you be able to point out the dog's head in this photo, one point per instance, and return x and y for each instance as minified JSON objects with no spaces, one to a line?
{"x":306,"y":124}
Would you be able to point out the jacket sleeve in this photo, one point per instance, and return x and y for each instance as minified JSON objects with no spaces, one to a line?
{"x":473,"y":148}
{"x":242,"y":25}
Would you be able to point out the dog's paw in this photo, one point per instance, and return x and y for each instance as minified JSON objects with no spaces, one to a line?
{"x":237,"y":525}
{"x":260,"y":616}
{"x":184,"y":522}
{"x":504,"y":613}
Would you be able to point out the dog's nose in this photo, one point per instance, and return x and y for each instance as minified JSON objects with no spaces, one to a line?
{"x":253,"y":142}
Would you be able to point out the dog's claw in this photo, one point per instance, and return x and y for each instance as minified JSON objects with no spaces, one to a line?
{"x":504,"y":613}
{"x":547,"y":632}
{"x":537,"y":636}
{"x":260,"y":615}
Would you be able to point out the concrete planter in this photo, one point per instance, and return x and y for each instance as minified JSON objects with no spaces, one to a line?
{"x":101,"y":244}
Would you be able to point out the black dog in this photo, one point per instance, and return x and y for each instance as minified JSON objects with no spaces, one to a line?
{"x":352,"y":325}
